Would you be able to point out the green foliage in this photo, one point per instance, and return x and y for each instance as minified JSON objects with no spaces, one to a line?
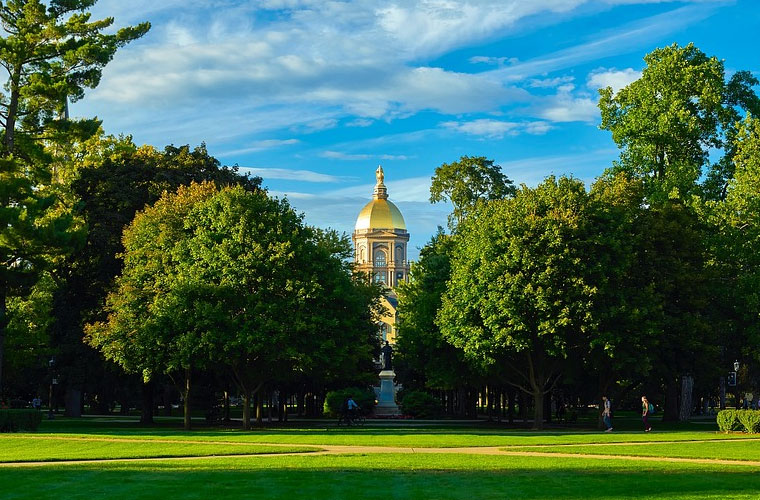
{"x":466,"y":182}
{"x":53,"y":52}
{"x":667,"y":122}
{"x":424,"y":357}
{"x":750,"y":420}
{"x":335,"y":400}
{"x":728,"y":420}
{"x":420,"y":404}
{"x":19,"y":420}
{"x":522,"y":283}
{"x":233,"y":277}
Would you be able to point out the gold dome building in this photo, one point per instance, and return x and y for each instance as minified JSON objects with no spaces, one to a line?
{"x":380,"y":248}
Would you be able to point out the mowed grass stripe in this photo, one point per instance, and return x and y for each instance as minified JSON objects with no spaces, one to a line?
{"x":22,"y":449}
{"x":716,"y":450}
{"x":383,"y":476}
{"x":429,"y":438}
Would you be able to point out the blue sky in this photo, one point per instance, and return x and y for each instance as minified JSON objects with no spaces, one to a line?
{"x":312,"y":95}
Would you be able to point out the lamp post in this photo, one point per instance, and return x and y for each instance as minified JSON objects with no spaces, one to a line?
{"x":53,"y":381}
{"x":736,"y":390}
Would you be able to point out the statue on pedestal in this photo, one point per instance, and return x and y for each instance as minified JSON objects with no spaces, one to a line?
{"x":387,"y":353}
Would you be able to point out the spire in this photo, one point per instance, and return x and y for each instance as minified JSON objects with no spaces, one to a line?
{"x":381,"y":192}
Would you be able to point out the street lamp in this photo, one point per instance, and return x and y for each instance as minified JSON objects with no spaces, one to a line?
{"x":53,"y":381}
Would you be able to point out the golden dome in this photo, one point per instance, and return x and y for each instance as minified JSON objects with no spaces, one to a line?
{"x":380,"y":213}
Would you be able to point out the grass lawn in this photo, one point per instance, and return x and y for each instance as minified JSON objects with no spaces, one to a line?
{"x":366,"y":475}
{"x":15,"y":448}
{"x":387,"y":476}
{"x":736,"y":450}
{"x":402,"y":435}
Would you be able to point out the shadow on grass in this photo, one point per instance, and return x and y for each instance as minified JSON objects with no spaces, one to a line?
{"x":317,"y":483}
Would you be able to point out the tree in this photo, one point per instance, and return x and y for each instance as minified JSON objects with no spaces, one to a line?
{"x":668,"y":121}
{"x":233,"y":277}
{"x":736,"y":250}
{"x":51,"y":52}
{"x":106,"y":180}
{"x":467,"y":181}
{"x":153,"y":325}
{"x":426,"y":359}
{"x":522,"y":288}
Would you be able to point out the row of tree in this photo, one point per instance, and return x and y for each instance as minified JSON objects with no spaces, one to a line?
{"x":648,"y":276}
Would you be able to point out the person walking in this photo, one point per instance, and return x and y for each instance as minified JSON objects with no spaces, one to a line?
{"x":607,"y":413}
{"x":646,"y":409}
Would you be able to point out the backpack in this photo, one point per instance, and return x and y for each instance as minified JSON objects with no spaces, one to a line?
{"x":651,"y":408}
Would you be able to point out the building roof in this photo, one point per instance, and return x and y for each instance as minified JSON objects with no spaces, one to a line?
{"x":380,"y":213}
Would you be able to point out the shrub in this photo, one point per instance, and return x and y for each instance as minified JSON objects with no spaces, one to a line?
{"x":334,"y":400}
{"x":750,"y":420}
{"x":19,"y":420}
{"x":728,"y":421}
{"x":420,"y":404}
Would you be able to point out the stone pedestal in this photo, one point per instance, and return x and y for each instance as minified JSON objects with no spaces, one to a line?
{"x":386,"y":400}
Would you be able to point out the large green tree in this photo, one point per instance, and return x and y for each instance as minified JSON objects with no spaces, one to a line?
{"x":51,"y":52}
{"x":736,"y":248}
{"x":107,"y":180}
{"x":522,"y":285}
{"x":670,"y":121}
{"x":426,"y":359}
{"x":233,"y":277}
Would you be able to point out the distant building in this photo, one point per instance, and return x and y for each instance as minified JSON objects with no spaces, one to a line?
{"x":380,"y":248}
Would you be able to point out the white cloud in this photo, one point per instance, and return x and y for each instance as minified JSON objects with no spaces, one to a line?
{"x":260,"y":145}
{"x":494,"y":61}
{"x":337,"y":155}
{"x":291,"y":175}
{"x":617,"y":79}
{"x":550,"y":82}
{"x":568,"y":107}
{"x":615,"y":41}
{"x":496,"y":129}
{"x":360,"y":122}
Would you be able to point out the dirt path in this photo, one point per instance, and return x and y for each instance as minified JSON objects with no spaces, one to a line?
{"x":342,"y":450}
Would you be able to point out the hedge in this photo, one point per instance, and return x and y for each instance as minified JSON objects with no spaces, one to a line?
{"x":739,"y":420}
{"x":334,"y":400}
{"x":750,"y":420}
{"x":19,"y":420}
{"x":420,"y":404}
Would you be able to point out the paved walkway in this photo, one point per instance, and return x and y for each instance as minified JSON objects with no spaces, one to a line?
{"x":344,"y":449}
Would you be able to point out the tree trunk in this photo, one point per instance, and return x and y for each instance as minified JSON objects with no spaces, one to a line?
{"x":187,"y":421}
{"x":511,"y":404}
{"x":146,"y":415}
{"x":670,"y":413}
{"x":3,"y":324}
{"x":246,"y":409}
{"x":10,"y":120}
{"x":687,"y":386}
{"x":259,"y":410}
{"x":538,"y":410}
{"x":73,"y":402}
{"x":227,"y":406}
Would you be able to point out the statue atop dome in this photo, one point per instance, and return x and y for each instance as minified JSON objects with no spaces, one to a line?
{"x":380,"y":175}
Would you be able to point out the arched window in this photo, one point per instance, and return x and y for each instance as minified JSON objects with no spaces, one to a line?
{"x":400,"y":254}
{"x":384,"y":331}
{"x":379,"y":258}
